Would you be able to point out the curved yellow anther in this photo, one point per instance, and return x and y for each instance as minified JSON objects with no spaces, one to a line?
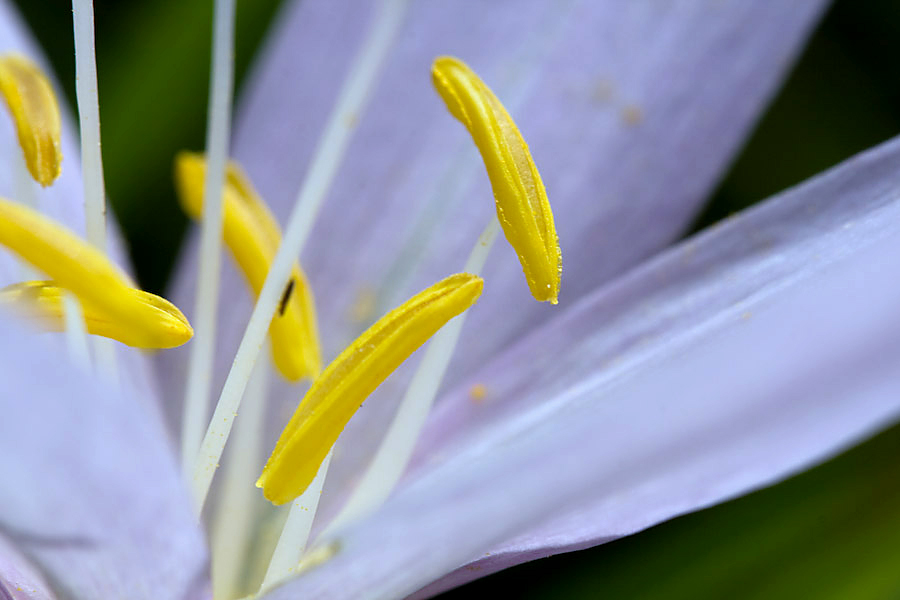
{"x":42,"y":302}
{"x":78,"y":267}
{"x":352,"y":376}
{"x":522,"y":206}
{"x":36,"y":115}
{"x":253,"y":236}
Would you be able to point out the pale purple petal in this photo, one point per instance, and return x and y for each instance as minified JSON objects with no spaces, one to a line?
{"x":735,"y":407}
{"x":631,"y":111}
{"x":90,"y":491}
{"x":718,"y":280}
{"x":19,"y":579}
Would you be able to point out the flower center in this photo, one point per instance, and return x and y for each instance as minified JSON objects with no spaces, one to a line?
{"x":111,"y":306}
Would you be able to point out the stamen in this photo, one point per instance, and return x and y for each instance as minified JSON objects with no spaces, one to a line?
{"x":253,"y":236}
{"x":199,"y":378}
{"x":522,"y":206}
{"x":35,"y":112}
{"x":43,"y":303}
{"x":150,"y":321}
{"x":322,"y":170}
{"x":392,"y":456}
{"x":336,"y":395}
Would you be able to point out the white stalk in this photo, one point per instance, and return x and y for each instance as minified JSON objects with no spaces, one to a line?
{"x":76,"y":332}
{"x":326,"y":160}
{"x":237,"y":510}
{"x":397,"y":446}
{"x":89,"y":122}
{"x":200,"y":366}
{"x":295,"y":534}
{"x":91,"y":160}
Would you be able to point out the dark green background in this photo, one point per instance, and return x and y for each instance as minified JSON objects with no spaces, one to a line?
{"x":833,"y":532}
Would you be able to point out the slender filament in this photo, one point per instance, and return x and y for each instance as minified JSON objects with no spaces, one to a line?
{"x":199,"y":378}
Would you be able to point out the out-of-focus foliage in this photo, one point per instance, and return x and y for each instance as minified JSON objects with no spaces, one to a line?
{"x":833,"y":532}
{"x":843,"y":97}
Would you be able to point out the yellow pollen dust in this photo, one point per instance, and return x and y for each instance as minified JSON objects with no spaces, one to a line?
{"x":253,"y":236}
{"x":42,"y":302}
{"x":335,"y":396}
{"x":478,"y":392}
{"x":363,"y":307}
{"x":34,"y":110}
{"x":522,"y":206}
{"x":101,"y":288}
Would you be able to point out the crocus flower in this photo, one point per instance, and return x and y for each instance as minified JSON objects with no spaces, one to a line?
{"x":663,"y":382}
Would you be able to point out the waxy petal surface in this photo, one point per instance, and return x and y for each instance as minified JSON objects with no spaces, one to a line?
{"x":763,"y":346}
{"x":19,"y":578}
{"x":630,"y":137}
{"x":92,"y":491}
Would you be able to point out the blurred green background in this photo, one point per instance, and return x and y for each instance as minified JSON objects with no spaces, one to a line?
{"x":833,"y":532}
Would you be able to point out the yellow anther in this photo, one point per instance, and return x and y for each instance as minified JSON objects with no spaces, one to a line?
{"x":343,"y":386}
{"x":42,"y":301}
{"x":36,"y":114}
{"x":78,"y":267}
{"x":522,"y":206}
{"x":253,"y":236}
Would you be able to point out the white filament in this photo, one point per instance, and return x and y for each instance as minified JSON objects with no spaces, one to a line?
{"x":234,"y":521}
{"x":89,"y":122}
{"x":76,"y":332}
{"x":295,"y":534}
{"x":91,"y":159}
{"x":199,"y":378}
{"x":327,"y":157}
